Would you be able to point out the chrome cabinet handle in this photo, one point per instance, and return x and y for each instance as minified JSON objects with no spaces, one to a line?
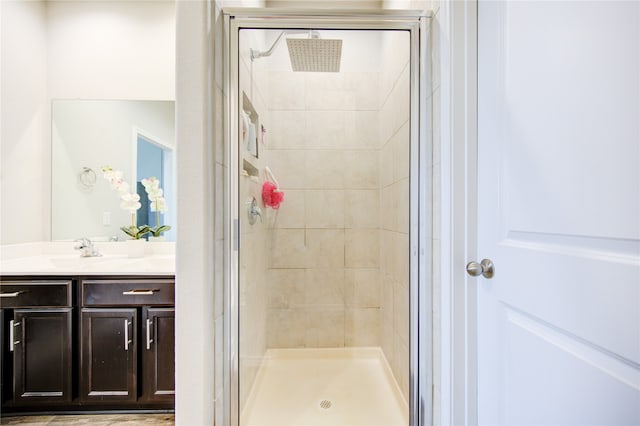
{"x":12,"y":341}
{"x":484,"y":268}
{"x":126,"y":335}
{"x":149,"y":339}
{"x":14,"y":294}
{"x":11,"y":346}
{"x":139,"y":292}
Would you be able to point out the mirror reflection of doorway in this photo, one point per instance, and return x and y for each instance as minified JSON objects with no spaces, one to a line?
{"x":153,"y":160}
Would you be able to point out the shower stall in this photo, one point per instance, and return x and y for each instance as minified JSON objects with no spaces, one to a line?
{"x":328,"y":318}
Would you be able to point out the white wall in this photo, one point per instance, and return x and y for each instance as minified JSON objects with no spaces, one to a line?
{"x":24,"y":148}
{"x":70,"y":49}
{"x":111,"y":50}
{"x":93,"y":134}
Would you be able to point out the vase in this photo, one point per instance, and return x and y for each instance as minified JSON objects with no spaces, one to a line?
{"x":135,"y":248}
{"x":153,"y":239}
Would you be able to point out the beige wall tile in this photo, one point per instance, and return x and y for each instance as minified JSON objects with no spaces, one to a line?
{"x":328,"y":129}
{"x":324,"y":208}
{"x":386,"y":241}
{"x":362,"y":130}
{"x":400,"y":258}
{"x":361,"y":169}
{"x":386,"y":340}
{"x":401,"y":100}
{"x":324,"y":170}
{"x":385,"y":126}
{"x":288,"y":249}
{"x":401,"y":143}
{"x":325,"y":327}
{"x":401,"y":362}
{"x":362,"y":248}
{"x":291,"y":211}
{"x":286,"y":328}
{"x":289,"y":168}
{"x":388,"y":212}
{"x":362,"y":208}
{"x":286,"y":130}
{"x":402,"y":206}
{"x":364,"y":86}
{"x":401,"y":311}
{"x":362,"y":327}
{"x":324,"y":287}
{"x":326,"y":248}
{"x":386,"y":301}
{"x":286,"y":288}
{"x":327,"y":91}
{"x":362,"y":288}
{"x":386,"y":165}
{"x":286,"y":90}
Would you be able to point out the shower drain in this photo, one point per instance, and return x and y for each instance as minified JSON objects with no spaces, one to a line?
{"x":325,"y":404}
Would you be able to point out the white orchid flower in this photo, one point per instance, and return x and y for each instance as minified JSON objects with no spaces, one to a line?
{"x":154,"y":193}
{"x":151,"y":183}
{"x":159,"y":205}
{"x":130,"y":202}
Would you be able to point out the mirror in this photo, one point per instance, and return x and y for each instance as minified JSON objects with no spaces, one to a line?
{"x":135,"y":137}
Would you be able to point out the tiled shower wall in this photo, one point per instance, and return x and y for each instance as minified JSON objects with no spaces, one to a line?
{"x":253,"y":256}
{"x":394,"y":205}
{"x":323,"y":146}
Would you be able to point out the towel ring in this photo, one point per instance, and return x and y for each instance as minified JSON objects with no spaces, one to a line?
{"x":87,"y":178}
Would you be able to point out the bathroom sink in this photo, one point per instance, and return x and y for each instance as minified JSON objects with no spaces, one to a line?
{"x":83,"y":263}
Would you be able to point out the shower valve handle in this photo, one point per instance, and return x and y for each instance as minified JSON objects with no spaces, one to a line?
{"x":254,"y":211}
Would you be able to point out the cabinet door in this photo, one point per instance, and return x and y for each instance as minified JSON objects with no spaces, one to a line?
{"x":108,"y":360}
{"x":4,"y":357}
{"x":41,"y":347}
{"x":158,"y":361}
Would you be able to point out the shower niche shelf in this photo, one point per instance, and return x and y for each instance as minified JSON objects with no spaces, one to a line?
{"x":249,"y":137}
{"x":249,"y":169}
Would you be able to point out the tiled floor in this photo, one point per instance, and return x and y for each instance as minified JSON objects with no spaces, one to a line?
{"x":325,"y":387}
{"x":93,"y":420}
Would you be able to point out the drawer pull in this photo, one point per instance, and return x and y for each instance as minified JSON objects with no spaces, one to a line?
{"x":14,"y":294}
{"x":139,"y":292}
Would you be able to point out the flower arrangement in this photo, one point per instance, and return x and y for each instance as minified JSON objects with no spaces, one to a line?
{"x":129,"y":201}
{"x":158,"y":204}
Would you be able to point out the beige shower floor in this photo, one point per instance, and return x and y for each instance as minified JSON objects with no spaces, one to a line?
{"x":328,"y":387}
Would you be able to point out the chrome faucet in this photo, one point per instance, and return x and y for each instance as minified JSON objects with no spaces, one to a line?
{"x":86,"y":248}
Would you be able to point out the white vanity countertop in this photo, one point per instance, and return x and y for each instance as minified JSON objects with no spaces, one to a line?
{"x":60,"y":258}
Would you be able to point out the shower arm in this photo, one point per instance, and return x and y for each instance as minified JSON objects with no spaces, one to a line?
{"x":255,"y":54}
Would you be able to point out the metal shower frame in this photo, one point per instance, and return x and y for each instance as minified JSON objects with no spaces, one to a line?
{"x":420,"y":237}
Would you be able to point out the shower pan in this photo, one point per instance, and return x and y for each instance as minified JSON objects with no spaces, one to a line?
{"x":328,"y":290}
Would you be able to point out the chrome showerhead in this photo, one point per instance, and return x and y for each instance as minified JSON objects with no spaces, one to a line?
{"x":315,"y":54}
{"x":311,"y":54}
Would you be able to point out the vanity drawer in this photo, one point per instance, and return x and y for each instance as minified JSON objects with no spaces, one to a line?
{"x":134,"y":292}
{"x":30,"y":294}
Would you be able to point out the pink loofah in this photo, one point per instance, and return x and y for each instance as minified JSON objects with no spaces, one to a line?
{"x":271,"y":195}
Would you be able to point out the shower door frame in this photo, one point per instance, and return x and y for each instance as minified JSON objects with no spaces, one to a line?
{"x":420,"y":189}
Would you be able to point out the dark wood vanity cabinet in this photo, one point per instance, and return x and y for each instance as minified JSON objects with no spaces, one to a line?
{"x":158,"y":354}
{"x":127,"y":325}
{"x":108,"y":360}
{"x":87,"y":343}
{"x":37,"y":342}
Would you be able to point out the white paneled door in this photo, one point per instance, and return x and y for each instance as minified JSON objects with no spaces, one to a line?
{"x":559,"y":213}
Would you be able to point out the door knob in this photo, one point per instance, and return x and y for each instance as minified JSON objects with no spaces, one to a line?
{"x":484,"y":268}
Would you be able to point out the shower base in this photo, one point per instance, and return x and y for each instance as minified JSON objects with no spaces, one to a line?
{"x":327,"y":387}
